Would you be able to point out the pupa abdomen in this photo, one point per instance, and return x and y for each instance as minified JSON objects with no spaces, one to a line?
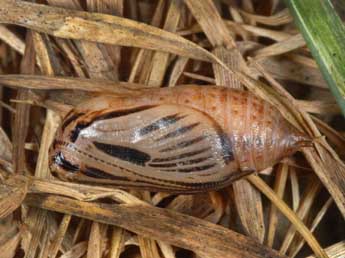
{"x":183,"y":139}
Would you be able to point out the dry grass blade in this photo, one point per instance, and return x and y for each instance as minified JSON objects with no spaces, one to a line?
{"x":319,"y":216}
{"x":77,"y":251}
{"x":38,"y":219}
{"x":117,"y":242}
{"x":12,"y":39}
{"x":94,"y":245}
{"x":336,"y":138}
{"x":82,"y":192}
{"x":319,"y":107}
{"x":95,"y":57}
{"x":159,"y":59}
{"x":167,"y":250}
{"x":21,"y":122}
{"x":307,"y":200}
{"x":52,"y":122}
{"x":250,"y":209}
{"x":263,"y":32}
{"x":8,"y":248}
{"x":177,"y":70}
{"x":286,"y":69}
{"x":280,"y":18}
{"x":5,"y":151}
{"x":54,"y":247}
{"x":180,"y":230}
{"x":287,"y":45}
{"x":300,"y":227}
{"x":335,"y":251}
{"x":37,"y":82}
{"x":207,"y":15}
{"x":200,"y":77}
{"x":148,"y":247}
{"x":234,"y":60}
{"x":279,"y":188}
{"x":331,"y":171}
{"x":97,"y":27}
{"x":294,"y":189}
{"x":141,"y":66}
{"x":12,"y":194}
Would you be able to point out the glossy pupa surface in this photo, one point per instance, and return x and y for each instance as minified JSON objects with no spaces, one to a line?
{"x":183,"y":139}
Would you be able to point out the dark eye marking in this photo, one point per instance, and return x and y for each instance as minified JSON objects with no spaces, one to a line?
{"x":60,"y":160}
{"x":179,"y":131}
{"x":125,"y":153}
{"x":97,"y":173}
{"x":70,"y":120}
{"x":192,"y":169}
{"x":159,"y":124}
{"x":183,"y":155}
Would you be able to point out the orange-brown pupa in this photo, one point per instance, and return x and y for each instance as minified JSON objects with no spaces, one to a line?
{"x":184,"y":139}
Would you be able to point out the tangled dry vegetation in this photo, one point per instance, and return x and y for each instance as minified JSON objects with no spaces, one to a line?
{"x":52,"y":56}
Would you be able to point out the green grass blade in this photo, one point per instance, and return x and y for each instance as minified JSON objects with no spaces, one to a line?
{"x":324,"y":32}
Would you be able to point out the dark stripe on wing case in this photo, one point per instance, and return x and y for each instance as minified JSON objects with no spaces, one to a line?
{"x":192,"y":169}
{"x":70,"y":119}
{"x":119,"y":113}
{"x":60,"y":160}
{"x":125,"y":153}
{"x":97,"y":173}
{"x":182,"y":163}
{"x":227,"y":147}
{"x":113,"y":114}
{"x":76,"y":131}
{"x":159,"y":124}
{"x":183,"y":155}
{"x":179,"y":131}
{"x":184,"y":144}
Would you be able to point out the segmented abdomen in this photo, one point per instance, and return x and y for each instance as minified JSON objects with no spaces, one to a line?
{"x":183,"y":139}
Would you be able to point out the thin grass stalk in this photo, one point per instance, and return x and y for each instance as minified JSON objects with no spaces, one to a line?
{"x":290,"y":215}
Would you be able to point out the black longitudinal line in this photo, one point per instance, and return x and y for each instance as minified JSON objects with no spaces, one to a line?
{"x":192,"y":169}
{"x":70,"y":119}
{"x":184,"y":144}
{"x":76,"y":131}
{"x":160,"y":123}
{"x":124,"y":153}
{"x":97,"y":173}
{"x":181,"y":163}
{"x":121,"y":112}
{"x":159,"y":182}
{"x":182,"y":156}
{"x":144,"y":185}
{"x":108,"y":115}
{"x":179,"y":131}
{"x":100,"y":174}
{"x":189,"y":186}
{"x":61,"y":161}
